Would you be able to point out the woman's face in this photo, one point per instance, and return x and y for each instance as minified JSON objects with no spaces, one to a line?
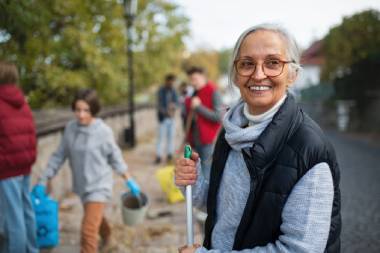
{"x":83,"y":113}
{"x":259,"y":91}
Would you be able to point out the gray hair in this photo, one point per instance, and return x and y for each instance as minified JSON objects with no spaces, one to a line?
{"x":292,"y":50}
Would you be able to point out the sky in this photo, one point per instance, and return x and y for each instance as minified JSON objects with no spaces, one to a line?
{"x":216,"y":24}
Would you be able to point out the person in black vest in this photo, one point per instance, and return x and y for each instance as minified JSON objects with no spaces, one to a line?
{"x":274,"y":182}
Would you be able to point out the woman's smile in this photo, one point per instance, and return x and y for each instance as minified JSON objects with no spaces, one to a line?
{"x":259,"y":90}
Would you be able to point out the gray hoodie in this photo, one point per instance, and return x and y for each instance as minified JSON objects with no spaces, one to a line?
{"x":91,"y":151}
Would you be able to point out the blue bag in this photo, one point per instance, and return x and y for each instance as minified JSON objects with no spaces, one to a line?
{"x":46,"y":212}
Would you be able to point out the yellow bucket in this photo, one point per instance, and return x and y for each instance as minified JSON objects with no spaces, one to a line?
{"x":165,"y":177}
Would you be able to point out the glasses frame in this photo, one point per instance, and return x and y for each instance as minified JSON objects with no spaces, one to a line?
{"x":262,"y":67}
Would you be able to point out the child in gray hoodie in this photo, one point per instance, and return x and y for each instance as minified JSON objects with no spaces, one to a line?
{"x":89,"y":145}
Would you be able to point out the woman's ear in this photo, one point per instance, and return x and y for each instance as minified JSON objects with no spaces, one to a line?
{"x":292,"y":76}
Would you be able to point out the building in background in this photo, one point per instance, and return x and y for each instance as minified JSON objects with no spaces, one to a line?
{"x":312,"y":60}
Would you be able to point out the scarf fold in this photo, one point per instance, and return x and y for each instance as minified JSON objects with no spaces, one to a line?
{"x":243,"y":128}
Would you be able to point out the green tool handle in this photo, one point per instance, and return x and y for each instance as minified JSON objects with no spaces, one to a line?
{"x":189,"y":205}
{"x":187,"y":152}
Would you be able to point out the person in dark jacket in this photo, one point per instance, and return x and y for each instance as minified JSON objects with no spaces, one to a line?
{"x":274,"y":182}
{"x":17,"y":155}
{"x":167,"y":103}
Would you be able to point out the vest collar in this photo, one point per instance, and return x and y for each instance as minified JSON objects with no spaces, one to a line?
{"x":267,"y":146}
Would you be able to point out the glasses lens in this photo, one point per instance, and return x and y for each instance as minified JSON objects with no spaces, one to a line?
{"x":245,"y":67}
{"x":273,"y":67}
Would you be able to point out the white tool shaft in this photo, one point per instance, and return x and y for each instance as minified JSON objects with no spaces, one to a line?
{"x":189,"y":216}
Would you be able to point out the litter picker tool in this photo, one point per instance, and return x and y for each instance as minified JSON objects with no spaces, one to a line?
{"x":189,"y":205}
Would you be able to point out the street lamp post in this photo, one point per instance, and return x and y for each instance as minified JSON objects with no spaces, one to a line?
{"x":130,"y":14}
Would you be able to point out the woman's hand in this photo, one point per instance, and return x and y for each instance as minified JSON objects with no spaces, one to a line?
{"x":186,"y":171}
{"x":187,"y":249}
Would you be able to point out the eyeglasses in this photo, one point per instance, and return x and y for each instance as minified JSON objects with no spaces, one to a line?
{"x":270,"y":67}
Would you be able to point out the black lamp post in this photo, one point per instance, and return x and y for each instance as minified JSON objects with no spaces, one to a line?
{"x":130,"y":7}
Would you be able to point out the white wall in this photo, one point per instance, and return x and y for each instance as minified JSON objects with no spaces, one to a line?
{"x":308,"y":76}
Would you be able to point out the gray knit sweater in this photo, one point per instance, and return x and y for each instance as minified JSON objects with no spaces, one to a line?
{"x":91,"y":151}
{"x":307,"y":213}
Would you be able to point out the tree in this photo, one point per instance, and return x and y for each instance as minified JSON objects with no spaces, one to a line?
{"x":207,"y":59}
{"x":352,"y":51}
{"x":362,"y":84}
{"x":225,"y":56}
{"x":355,"y":39}
{"x":64,"y":45}
{"x":160,"y":46}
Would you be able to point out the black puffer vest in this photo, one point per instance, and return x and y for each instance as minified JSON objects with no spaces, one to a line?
{"x":289,"y":146}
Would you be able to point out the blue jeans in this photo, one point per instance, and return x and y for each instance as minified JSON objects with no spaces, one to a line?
{"x":205,"y":154}
{"x":166,"y":129}
{"x":17,"y":220}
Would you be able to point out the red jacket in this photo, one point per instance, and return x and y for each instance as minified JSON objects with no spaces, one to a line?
{"x":17,"y":133}
{"x":207,"y":129}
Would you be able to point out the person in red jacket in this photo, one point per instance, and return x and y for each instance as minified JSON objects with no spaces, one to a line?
{"x":204,"y":114}
{"x":17,"y":154}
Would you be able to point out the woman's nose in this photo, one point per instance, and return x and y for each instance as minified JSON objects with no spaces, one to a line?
{"x":258,"y":74}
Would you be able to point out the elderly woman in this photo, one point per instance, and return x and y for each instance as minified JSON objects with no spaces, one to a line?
{"x":274,"y":182}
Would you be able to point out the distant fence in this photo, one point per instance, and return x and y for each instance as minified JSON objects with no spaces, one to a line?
{"x":50,"y":121}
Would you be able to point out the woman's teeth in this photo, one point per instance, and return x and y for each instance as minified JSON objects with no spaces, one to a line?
{"x":259,"y":88}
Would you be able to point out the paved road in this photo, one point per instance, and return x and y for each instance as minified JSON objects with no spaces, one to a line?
{"x":359,"y":160}
{"x":360,"y":177}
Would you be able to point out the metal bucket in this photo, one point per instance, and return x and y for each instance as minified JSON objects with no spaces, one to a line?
{"x":133,"y":209}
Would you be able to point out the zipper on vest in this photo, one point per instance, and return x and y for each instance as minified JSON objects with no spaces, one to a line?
{"x":255,"y":188}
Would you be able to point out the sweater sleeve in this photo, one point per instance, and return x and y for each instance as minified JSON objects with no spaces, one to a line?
{"x":306,"y":216}
{"x":216,"y":112}
{"x":114,"y":154}
{"x":55,"y":161}
{"x":199,"y":190}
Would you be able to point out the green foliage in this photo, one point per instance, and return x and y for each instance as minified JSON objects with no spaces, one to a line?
{"x":160,"y":46}
{"x":352,"y":51}
{"x":362,"y":84}
{"x":209,"y":60}
{"x":225,"y":56}
{"x":355,"y":39}
{"x":61,"y":46}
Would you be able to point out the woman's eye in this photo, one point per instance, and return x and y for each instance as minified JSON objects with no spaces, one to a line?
{"x":247,"y":64}
{"x":272,"y":63}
